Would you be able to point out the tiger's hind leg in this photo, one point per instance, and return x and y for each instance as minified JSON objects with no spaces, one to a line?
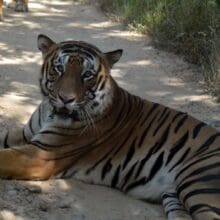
{"x":173,"y":207}
{"x":202,"y":201}
{"x":198,"y":186}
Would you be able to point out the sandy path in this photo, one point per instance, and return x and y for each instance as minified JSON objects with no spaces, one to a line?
{"x":143,"y":70}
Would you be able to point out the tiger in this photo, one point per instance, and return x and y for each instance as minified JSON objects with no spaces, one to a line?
{"x":89,"y":128}
{"x":18,"y":5}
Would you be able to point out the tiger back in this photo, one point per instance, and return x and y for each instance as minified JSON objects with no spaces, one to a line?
{"x":89,"y":128}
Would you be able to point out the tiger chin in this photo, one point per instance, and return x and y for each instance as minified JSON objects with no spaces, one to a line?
{"x":88,"y":128}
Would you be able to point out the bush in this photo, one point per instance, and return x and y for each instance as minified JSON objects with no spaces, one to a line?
{"x":188,"y":27}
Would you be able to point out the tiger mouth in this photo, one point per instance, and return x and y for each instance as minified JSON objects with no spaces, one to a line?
{"x":64,"y":112}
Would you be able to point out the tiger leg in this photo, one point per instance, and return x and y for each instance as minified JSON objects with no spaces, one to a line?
{"x":30,"y":163}
{"x":1,"y":10}
{"x":21,"y":5}
{"x":14,"y":137}
{"x":173,"y":207}
{"x":198,"y":187}
{"x":202,"y":201}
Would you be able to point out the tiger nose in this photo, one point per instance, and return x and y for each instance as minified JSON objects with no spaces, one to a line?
{"x":67,"y":98}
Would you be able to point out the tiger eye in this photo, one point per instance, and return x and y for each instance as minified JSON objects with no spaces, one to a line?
{"x":87,"y":74}
{"x":60,"y":68}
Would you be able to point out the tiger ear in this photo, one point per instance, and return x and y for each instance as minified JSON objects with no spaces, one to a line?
{"x":44,"y":43}
{"x":113,"y":56}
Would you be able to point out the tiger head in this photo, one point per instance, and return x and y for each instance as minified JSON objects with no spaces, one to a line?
{"x":75,"y":77}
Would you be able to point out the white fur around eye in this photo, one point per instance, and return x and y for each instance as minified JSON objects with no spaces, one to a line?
{"x":87,"y":75}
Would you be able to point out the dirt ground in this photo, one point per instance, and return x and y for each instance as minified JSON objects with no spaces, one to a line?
{"x":143,"y":70}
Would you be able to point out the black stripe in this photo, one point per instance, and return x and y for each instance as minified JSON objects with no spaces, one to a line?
{"x":193,"y":163}
{"x":24,"y":136}
{"x":89,"y":170}
{"x":39,"y":116}
{"x":55,"y":133}
{"x":116,"y":177}
{"x":180,"y":123}
{"x":180,"y":160}
{"x":122,"y":110}
{"x":30,"y":125}
{"x":161,"y":123}
{"x":195,"y":192}
{"x":174,"y":210}
{"x":202,"y":170}
{"x":80,"y":48}
{"x":65,"y":172}
{"x":68,"y":51}
{"x":45,"y":145}
{"x":152,"y":109}
{"x":159,"y":144}
{"x":177,"y":115}
{"x":208,"y":142}
{"x":50,"y":55}
{"x":197,"y":129}
{"x":213,"y":152}
{"x":131,"y":101}
{"x":203,"y":179}
{"x":142,"y":163}
{"x":124,"y":141}
{"x":162,"y":114}
{"x":172,"y":203}
{"x":106,"y":168}
{"x":178,"y":146}
{"x":99,"y":68}
{"x":45,"y":93}
{"x":129,"y":154}
{"x":153,"y":150}
{"x":101,"y":87}
{"x":128,"y":175}
{"x":169,"y":195}
{"x":143,"y":136}
{"x":137,"y":183}
{"x":157,"y":165}
{"x":6,"y":141}
{"x":196,"y":207}
{"x":99,"y":79}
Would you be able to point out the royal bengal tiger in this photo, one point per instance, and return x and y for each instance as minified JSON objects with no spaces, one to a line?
{"x":89,"y":128}
{"x":18,"y":5}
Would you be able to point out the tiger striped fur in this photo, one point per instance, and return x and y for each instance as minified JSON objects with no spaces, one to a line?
{"x":18,"y":5}
{"x":89,"y":128}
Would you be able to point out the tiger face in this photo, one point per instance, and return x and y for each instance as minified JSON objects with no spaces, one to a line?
{"x":75,"y":77}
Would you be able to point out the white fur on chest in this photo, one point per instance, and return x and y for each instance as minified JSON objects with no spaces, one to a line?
{"x":151,"y":191}
{"x":154,"y":189}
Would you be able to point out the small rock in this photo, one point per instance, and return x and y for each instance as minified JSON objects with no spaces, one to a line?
{"x":12,"y":193}
{"x":215,"y":123}
{"x":78,"y":216}
{"x":43,"y":206}
{"x":64,"y":205}
{"x":34,"y":189}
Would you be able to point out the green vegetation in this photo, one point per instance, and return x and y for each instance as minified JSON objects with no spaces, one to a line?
{"x":188,"y":27}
